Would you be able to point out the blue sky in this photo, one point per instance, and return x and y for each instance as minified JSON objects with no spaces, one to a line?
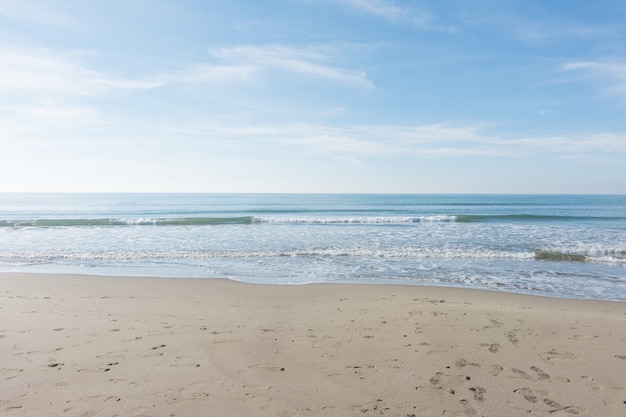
{"x":435,"y":96}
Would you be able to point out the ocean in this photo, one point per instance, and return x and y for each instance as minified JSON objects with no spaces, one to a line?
{"x":567,"y":246}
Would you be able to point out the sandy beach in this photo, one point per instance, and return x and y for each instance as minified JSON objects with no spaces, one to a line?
{"x":103,"y":346}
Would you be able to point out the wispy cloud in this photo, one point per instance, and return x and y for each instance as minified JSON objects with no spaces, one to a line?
{"x":389,"y":11}
{"x":533,"y":22}
{"x":314,"y":62}
{"x":49,"y":95}
{"x":44,"y":73}
{"x":434,"y":140}
{"x":614,"y":73}
{"x":205,"y":73}
{"x":29,"y":11}
{"x":614,"y":69}
{"x":609,"y":143}
{"x":52,"y":114}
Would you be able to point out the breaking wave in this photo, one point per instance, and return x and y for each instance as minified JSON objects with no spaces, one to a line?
{"x":185,"y":221}
{"x":344,"y":253}
{"x":248,"y":220}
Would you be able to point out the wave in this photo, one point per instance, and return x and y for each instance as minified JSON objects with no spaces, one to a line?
{"x":608,"y":257}
{"x":480,"y":218}
{"x":612,"y":256}
{"x":210,"y":221}
{"x":356,"y":220}
{"x":455,"y":218}
{"x":185,"y":221}
{"x":318,"y":220}
{"x":544,"y":255}
{"x":295,"y":253}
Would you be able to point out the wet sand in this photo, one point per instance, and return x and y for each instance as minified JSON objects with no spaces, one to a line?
{"x":101,"y":346}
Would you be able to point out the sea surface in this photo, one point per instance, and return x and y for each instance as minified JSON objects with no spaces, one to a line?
{"x":568,"y":246}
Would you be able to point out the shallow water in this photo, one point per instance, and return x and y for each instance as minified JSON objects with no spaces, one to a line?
{"x":563,"y":246}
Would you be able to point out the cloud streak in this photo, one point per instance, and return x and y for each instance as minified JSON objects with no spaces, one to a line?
{"x":434,"y":140}
{"x":33,"y":12}
{"x":35,"y":73}
{"x":43,"y":72}
{"x":308,"y":61}
{"x":389,"y":11}
{"x":614,"y":73}
{"x":205,"y":73}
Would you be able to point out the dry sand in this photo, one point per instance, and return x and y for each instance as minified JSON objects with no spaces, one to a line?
{"x":101,"y":346}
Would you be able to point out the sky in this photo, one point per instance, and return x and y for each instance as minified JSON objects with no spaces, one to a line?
{"x":313,"y":96}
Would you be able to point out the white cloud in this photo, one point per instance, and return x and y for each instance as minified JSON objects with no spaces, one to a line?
{"x":306,"y":61}
{"x":389,"y":11}
{"x":333,"y":141}
{"x":614,"y":69}
{"x":435,"y":140}
{"x":38,"y":70}
{"x":612,"y":72}
{"x":576,"y":144}
{"x":36,"y":73}
{"x":44,"y":72}
{"x":203,"y":73}
{"x":52,"y":113}
{"x":533,"y":23}
{"x":377,"y":7}
{"x":33,"y":12}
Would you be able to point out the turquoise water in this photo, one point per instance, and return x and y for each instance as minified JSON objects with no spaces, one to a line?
{"x":553,"y":245}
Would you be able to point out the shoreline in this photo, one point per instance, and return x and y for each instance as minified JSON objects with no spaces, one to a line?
{"x":100,"y":275}
{"x":82,"y":345}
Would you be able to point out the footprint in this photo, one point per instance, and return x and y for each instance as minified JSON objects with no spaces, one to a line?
{"x":521,"y":373}
{"x":10,"y":373}
{"x":185,"y":365}
{"x":436,"y":379}
{"x":199,"y":395}
{"x":496,"y":369}
{"x":14,"y":407}
{"x":571,"y":410}
{"x":512,"y":337}
{"x":467,"y":407}
{"x":557,"y":355}
{"x":479,"y":393}
{"x":527,"y":393}
{"x":496,"y":323}
{"x":552,"y":403}
{"x":261,"y":367}
{"x":101,"y":369}
{"x":589,"y":381}
{"x":540,"y":373}
{"x":366,"y":408}
{"x":460,"y":363}
{"x":494,"y":348}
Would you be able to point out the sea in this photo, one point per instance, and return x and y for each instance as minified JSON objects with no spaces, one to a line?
{"x":565,"y":246}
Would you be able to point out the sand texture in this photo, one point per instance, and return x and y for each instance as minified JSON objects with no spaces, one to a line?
{"x":101,"y":346}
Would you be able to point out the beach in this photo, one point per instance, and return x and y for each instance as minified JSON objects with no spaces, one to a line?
{"x":113,"y":346}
